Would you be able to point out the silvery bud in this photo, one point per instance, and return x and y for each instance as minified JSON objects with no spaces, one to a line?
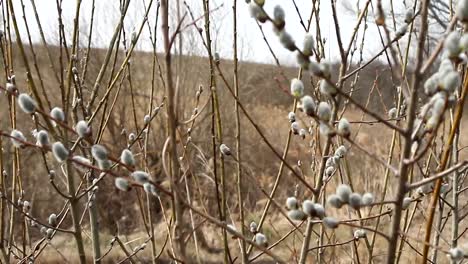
{"x":297,"y":215}
{"x":330,"y":222}
{"x":127,"y":158}
{"x":355,"y":201}
{"x":327,"y":89}
{"x":225,"y":150}
{"x":456,"y":254}
{"x":324,"y":111}
{"x":49,"y":233}
{"x":57,"y":114}
{"x":297,"y":88}
{"x":432,"y":84}
{"x":335,"y":201}
{"x":367,"y":199}
{"x":81,"y":163}
{"x":146,"y":119}
{"x":17,"y":138}
{"x":464,"y":42}
{"x":10,"y":87}
{"x":292,"y":117}
{"x":131,"y":137}
{"x":82,"y":129}
{"x":402,"y":30}
{"x":360,"y":233}
{"x":291,"y":203}
{"x":302,"y":133}
{"x":287,"y":41}
{"x":122,"y":184}
{"x":253,"y":227}
{"x":344,"y":127}
{"x":42,"y":138}
{"x":452,"y":44}
{"x":26,"y":103}
{"x":308,"y":45}
{"x":59,"y":151}
{"x":343,"y":191}
{"x":295,"y":128}
{"x":278,"y":17}
{"x":451,"y":81}
{"x":340,"y":152}
{"x":308,"y":105}
{"x":150,"y":189}
{"x":53,"y":220}
{"x":406,"y":203}
{"x":308,"y":208}
{"x":140,"y":177}
{"x":99,"y":152}
{"x":409,"y":15}
{"x":392,"y":113}
{"x":261,"y":240}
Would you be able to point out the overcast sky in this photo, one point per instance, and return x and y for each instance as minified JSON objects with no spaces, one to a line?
{"x":251,"y":44}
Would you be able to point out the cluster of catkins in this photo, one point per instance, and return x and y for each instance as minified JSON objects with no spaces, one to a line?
{"x":333,"y":162}
{"x":61,"y":153}
{"x":344,"y":195}
{"x":322,"y":111}
{"x":441,"y":87}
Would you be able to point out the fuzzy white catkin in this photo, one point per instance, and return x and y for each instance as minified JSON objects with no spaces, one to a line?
{"x":17,"y":138}
{"x":367,"y":199}
{"x":392,"y":113}
{"x":99,"y":152}
{"x":42,"y":138}
{"x":59,"y":151}
{"x":451,"y":81}
{"x":324,"y":111}
{"x":324,"y":129}
{"x":10,"y":87}
{"x":343,"y":191}
{"x":297,"y":215}
{"x":82,"y":129}
{"x":57,"y":114}
{"x":314,"y":68}
{"x":104,"y":164}
{"x":344,"y":127}
{"x":297,"y":88}
{"x":254,"y":9}
{"x":82,"y":161}
{"x":335,"y":201}
{"x":452,"y":44}
{"x":140,"y":177}
{"x":253,"y":227}
{"x":456,"y":254}
{"x":146,"y":119}
{"x":122,"y":184}
{"x":287,"y":41}
{"x":355,"y":200}
{"x":302,"y":133}
{"x":402,"y":30}
{"x":52,"y":219}
{"x":292,"y":117}
{"x":308,"y":104}
{"x":127,"y":158}
{"x":225,"y":150}
{"x":131,"y":137}
{"x":308,"y":45}
{"x":340,"y":152}
{"x":278,"y":15}
{"x":327,"y":89}
{"x":431,"y":84}
{"x":406,"y":203}
{"x":319,"y":210}
{"x":445,"y":67}
{"x":291,"y":203}
{"x":308,"y":208}
{"x":329,"y":171}
{"x":295,"y":128}
{"x":261,"y":240}
{"x":49,"y":233}
{"x":462,"y":10}
{"x":26,"y":103}
{"x":359,"y":233}
{"x":409,"y":15}
{"x":330,"y":222}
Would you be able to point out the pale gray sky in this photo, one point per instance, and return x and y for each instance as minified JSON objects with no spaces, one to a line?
{"x":251,"y":44}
